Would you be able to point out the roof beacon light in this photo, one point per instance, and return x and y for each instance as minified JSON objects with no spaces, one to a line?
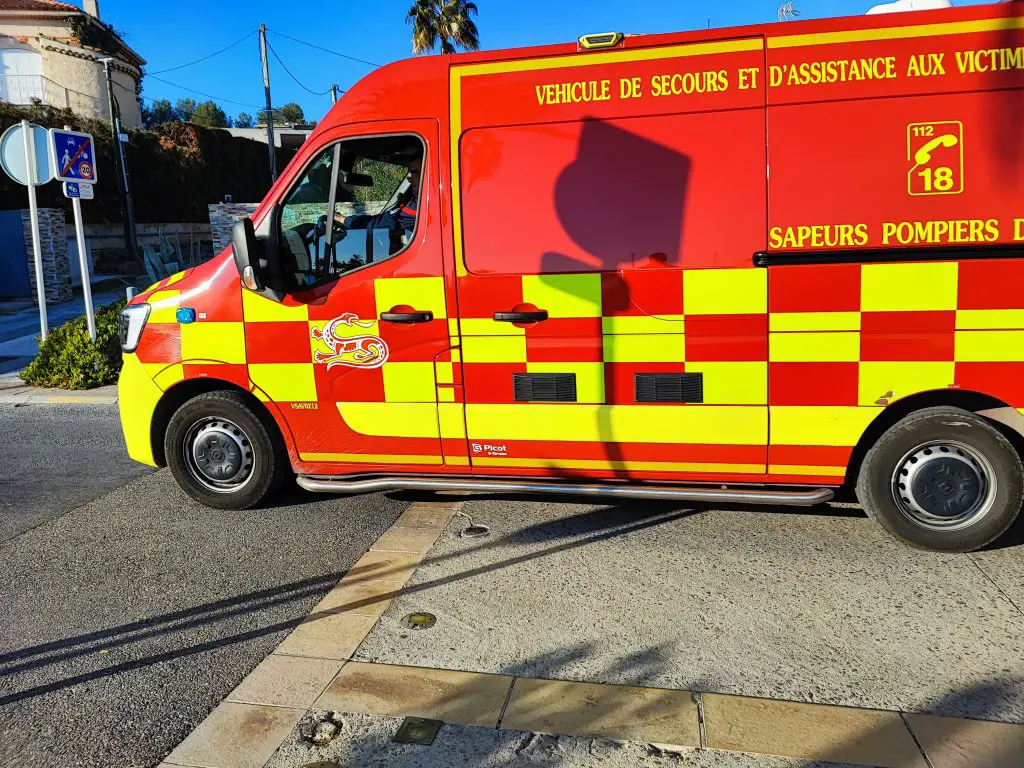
{"x":601,"y":40}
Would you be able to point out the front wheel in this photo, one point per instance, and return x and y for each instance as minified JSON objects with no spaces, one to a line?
{"x":943,"y":479}
{"x":223,"y":453}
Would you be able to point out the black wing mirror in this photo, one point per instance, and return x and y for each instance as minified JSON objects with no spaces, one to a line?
{"x":247,"y":249}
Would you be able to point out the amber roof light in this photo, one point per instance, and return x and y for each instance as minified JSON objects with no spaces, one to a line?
{"x":601,"y":40}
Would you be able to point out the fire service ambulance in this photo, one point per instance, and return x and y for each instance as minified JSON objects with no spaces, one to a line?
{"x":757,"y":264}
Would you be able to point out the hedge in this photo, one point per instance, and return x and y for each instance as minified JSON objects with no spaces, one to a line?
{"x":68,"y":359}
{"x":176,"y":169}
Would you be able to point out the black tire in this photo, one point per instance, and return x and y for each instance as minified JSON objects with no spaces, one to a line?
{"x":960,"y":482}
{"x":231,"y":431}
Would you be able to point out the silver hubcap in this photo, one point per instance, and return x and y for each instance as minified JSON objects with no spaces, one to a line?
{"x":944,"y":486}
{"x":219,"y":455}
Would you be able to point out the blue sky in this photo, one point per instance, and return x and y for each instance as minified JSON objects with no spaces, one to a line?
{"x":168,"y":34}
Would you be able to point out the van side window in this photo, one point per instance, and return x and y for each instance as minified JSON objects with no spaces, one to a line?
{"x":373,"y":187}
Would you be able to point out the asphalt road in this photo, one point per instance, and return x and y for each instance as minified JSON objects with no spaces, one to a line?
{"x":54,"y":458}
{"x":127,"y":611}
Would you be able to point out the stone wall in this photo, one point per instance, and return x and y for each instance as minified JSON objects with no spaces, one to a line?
{"x":54,"y":246}
{"x":222,"y":220}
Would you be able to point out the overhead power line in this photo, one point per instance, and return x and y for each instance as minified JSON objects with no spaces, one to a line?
{"x":207,"y":95}
{"x":204,"y":58}
{"x":321,"y":48}
{"x":293,"y":77}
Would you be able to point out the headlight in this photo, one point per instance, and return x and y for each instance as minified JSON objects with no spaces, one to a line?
{"x":133,"y":320}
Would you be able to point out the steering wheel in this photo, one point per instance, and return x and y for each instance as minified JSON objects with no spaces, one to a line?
{"x":321,"y":229}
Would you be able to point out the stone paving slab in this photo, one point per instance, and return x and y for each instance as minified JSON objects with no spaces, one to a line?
{"x":439,"y":694}
{"x":620,"y":712}
{"x":816,"y":606}
{"x":236,"y":736}
{"x":860,"y":736}
{"x":968,"y":743}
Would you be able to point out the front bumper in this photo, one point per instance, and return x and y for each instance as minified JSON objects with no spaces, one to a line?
{"x":137,"y":398}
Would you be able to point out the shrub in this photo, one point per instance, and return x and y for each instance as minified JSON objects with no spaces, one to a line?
{"x":69,"y":360}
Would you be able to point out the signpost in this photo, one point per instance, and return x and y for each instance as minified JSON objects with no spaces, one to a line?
{"x":31,"y":156}
{"x":25,"y":157}
{"x":74,"y":160}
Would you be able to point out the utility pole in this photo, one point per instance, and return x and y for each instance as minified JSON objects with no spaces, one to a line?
{"x":334,"y":94}
{"x":124,"y":190}
{"x":270,"y":108}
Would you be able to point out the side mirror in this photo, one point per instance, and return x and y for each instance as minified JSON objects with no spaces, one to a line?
{"x":247,"y":249}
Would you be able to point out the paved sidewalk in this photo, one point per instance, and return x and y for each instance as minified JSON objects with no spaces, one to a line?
{"x":333,"y":674}
{"x":14,"y":391}
{"x":19,"y":326}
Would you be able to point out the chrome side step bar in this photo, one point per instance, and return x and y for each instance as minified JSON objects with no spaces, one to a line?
{"x":662,"y":493}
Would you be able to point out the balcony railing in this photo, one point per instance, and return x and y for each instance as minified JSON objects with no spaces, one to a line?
{"x":28,"y":89}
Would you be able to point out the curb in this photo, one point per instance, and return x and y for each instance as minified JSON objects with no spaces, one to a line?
{"x":312,"y":669}
{"x":22,"y":394}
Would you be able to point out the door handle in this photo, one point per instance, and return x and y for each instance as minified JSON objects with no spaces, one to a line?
{"x":535,"y":316}
{"x":407,"y":318}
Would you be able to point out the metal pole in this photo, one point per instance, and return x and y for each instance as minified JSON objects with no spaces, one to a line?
{"x":334,"y":95}
{"x":270,"y":108}
{"x":83,"y":264}
{"x":28,"y":132}
{"x":129,"y":203}
{"x":127,"y":212}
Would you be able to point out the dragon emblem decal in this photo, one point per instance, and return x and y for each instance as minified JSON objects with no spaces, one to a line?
{"x":351,"y":351}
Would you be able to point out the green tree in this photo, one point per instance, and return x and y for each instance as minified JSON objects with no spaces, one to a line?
{"x":184,"y":108}
{"x":292,"y":113}
{"x":161,"y":111}
{"x":261,"y":117}
{"x":210,"y":115}
{"x":244,"y":120}
{"x":447,"y":22}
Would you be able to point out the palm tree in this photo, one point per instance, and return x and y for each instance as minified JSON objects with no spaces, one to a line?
{"x":444,"y":21}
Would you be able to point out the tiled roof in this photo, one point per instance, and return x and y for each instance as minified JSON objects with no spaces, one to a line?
{"x":38,"y":5}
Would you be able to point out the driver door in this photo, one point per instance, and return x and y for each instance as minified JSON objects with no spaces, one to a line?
{"x":350,"y":355}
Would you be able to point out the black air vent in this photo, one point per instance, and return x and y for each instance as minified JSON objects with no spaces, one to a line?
{"x":545,"y":387}
{"x":669,"y":387}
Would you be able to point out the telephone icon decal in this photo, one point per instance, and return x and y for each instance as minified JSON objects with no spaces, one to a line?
{"x":935,"y":152}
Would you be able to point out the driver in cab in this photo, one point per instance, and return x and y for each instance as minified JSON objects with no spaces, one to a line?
{"x":399,"y":218}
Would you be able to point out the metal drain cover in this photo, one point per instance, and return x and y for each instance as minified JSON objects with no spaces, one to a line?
{"x":420,"y":620}
{"x":475,"y":531}
{"x":416,"y":730}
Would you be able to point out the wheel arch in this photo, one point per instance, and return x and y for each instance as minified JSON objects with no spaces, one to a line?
{"x":177,"y":395}
{"x":1000,"y":414}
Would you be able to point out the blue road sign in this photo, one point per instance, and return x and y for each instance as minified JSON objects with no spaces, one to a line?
{"x":12,"y":154}
{"x":75,"y":189}
{"x":73,"y":155}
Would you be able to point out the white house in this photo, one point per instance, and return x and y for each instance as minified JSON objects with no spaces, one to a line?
{"x":42,"y":58}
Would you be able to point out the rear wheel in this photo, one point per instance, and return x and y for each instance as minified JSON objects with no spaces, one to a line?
{"x":223,"y":453}
{"x":943,"y":479}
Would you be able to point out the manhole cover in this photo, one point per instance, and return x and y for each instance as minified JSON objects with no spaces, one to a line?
{"x":420,"y":620}
{"x":416,"y":730}
{"x":475,"y":531}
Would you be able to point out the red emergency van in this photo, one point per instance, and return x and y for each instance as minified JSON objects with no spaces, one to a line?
{"x":742,"y":265}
